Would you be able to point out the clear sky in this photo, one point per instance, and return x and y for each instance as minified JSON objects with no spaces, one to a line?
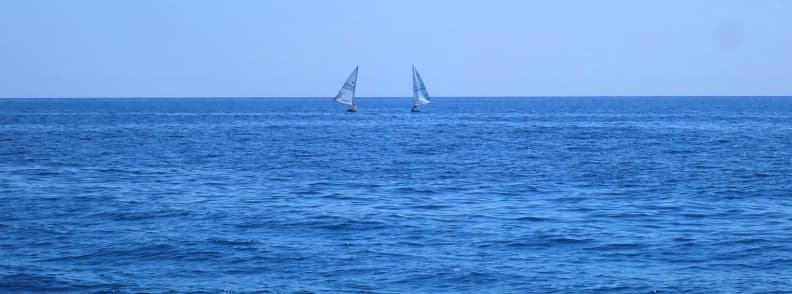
{"x":258,"y":48}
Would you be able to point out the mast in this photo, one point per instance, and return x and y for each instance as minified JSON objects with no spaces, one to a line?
{"x":353,"y":107}
{"x":415,"y":88}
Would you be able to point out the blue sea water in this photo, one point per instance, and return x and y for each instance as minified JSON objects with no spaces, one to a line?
{"x":476,"y":195}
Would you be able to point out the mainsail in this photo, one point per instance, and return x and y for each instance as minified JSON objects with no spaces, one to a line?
{"x":420,"y":96}
{"x":347,"y":93}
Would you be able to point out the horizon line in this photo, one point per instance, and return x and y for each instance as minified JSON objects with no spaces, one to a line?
{"x":389,"y":97}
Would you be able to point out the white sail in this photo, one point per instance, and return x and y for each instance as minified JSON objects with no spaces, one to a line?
{"x":347,"y":93}
{"x":420,"y":95}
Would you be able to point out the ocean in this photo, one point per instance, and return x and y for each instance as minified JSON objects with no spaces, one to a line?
{"x":472,"y":195}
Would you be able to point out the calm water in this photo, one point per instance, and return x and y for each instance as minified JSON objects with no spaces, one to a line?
{"x":478,"y":195}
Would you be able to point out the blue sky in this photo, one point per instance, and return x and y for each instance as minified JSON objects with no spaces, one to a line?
{"x":164,"y":48}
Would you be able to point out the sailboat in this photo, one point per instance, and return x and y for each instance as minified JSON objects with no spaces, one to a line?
{"x":420,"y":96}
{"x":347,"y":93}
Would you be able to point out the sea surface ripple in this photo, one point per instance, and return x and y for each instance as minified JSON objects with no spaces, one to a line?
{"x":478,"y":195}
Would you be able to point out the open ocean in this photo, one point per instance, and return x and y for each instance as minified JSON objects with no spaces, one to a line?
{"x":472,"y":195}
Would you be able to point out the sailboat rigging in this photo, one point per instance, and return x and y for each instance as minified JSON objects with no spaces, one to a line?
{"x":420,"y":95}
{"x":346,"y":95}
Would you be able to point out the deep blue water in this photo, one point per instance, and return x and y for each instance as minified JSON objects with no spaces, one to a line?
{"x":480,"y":195}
